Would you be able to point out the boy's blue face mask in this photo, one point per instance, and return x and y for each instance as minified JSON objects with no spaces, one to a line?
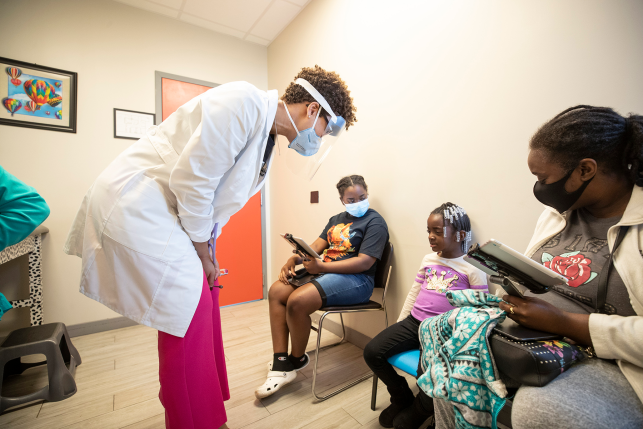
{"x":307,"y":142}
{"x":358,"y":209}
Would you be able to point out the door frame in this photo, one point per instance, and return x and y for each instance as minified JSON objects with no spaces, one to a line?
{"x":158,"y":87}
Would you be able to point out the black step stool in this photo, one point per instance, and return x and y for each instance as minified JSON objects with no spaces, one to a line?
{"x":51,"y":340}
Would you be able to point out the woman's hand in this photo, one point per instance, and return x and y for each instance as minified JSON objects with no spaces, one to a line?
{"x":288,"y":270}
{"x":313,"y":265}
{"x":211,"y":269}
{"x":209,"y":263}
{"x":533,"y":313}
{"x":537,"y":314}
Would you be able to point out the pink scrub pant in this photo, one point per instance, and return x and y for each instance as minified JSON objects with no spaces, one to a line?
{"x":192,"y":370}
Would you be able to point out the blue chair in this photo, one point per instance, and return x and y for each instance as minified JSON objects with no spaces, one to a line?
{"x":405,"y":361}
{"x":408,"y":362}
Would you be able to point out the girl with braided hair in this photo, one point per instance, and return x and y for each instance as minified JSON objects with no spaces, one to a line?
{"x":589,"y":165}
{"x":449,"y":230}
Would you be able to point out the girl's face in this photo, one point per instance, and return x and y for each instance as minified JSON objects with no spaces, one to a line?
{"x":354,"y":194}
{"x":439,"y":243}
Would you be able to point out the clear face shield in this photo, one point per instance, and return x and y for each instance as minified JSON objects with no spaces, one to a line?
{"x":310,"y":149}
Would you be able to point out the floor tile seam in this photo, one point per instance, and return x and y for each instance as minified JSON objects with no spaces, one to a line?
{"x":253,"y":422}
{"x":245,"y":403}
{"x":80,"y":421}
{"x":81,"y":403}
{"x":303,"y":398}
{"x":149,"y":418}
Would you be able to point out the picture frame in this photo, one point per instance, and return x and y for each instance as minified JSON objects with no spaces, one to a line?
{"x":36,"y":96}
{"x":132,"y":125}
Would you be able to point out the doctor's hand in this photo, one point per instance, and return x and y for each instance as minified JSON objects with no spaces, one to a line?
{"x":288,"y":270}
{"x":313,"y":265}
{"x":211,"y":269}
{"x":210,"y":264}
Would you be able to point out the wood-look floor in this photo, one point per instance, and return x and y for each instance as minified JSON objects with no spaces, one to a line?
{"x":118,"y":383}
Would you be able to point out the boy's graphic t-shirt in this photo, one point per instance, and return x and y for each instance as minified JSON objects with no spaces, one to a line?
{"x":579,"y":253}
{"x":349,"y":236}
{"x":435,"y":277}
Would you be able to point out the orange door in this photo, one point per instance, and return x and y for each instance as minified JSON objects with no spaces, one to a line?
{"x":239,"y":246}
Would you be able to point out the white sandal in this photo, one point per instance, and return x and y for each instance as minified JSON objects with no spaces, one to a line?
{"x":276,"y":380}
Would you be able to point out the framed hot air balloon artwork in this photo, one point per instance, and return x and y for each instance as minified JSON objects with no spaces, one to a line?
{"x":35,"y":96}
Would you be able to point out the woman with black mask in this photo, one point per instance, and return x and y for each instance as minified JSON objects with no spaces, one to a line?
{"x":589,"y":165}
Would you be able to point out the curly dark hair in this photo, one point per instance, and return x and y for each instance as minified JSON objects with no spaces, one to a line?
{"x":348,"y":181}
{"x":615,"y":142}
{"x":330,"y":85}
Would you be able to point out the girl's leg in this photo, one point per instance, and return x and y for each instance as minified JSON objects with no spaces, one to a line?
{"x":277,"y":299}
{"x":289,"y":314}
{"x":304,"y":301}
{"x":397,"y":338}
{"x":188,"y":372}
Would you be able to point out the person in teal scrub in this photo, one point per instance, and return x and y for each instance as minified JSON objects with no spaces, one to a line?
{"x":21,"y":210}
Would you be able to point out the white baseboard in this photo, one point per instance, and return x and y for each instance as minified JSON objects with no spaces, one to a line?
{"x":99,"y":326}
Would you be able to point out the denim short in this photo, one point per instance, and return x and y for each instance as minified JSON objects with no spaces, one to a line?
{"x":344,"y":289}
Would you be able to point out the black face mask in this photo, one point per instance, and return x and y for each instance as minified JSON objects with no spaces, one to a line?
{"x":555,"y":195}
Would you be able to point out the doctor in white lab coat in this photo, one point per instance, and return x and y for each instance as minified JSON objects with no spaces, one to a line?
{"x":143,"y":227}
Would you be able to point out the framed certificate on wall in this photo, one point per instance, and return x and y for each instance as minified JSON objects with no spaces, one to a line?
{"x":129,"y":124}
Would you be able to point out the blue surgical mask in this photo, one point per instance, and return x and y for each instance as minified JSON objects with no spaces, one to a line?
{"x":307,"y":142}
{"x":357,"y":209}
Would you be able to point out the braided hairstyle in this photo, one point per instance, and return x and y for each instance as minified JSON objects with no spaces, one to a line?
{"x":459,"y":219}
{"x":615,"y":142}
{"x":348,"y":181}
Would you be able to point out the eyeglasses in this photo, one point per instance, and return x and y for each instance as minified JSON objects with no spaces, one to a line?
{"x":328,"y":129}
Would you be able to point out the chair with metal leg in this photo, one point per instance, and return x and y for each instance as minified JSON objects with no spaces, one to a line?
{"x":406,"y":361}
{"x":382,"y":276}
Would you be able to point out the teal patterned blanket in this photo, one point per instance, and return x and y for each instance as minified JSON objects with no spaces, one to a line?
{"x":456,"y":359}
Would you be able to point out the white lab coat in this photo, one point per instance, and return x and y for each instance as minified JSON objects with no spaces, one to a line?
{"x":136,"y":223}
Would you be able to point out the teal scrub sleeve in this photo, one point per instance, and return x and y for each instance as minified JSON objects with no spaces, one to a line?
{"x":21,"y":210}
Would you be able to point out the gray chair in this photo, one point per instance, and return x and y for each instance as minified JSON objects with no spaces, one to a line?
{"x":382,"y":276}
{"x":51,"y":340}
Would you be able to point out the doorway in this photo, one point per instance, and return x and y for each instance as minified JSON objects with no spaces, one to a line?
{"x":240,"y":246}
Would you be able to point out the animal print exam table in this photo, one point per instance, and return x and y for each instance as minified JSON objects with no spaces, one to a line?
{"x":30,"y":245}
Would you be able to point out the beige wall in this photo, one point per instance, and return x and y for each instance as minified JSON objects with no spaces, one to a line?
{"x":115,"y":49}
{"x":448,"y":94}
